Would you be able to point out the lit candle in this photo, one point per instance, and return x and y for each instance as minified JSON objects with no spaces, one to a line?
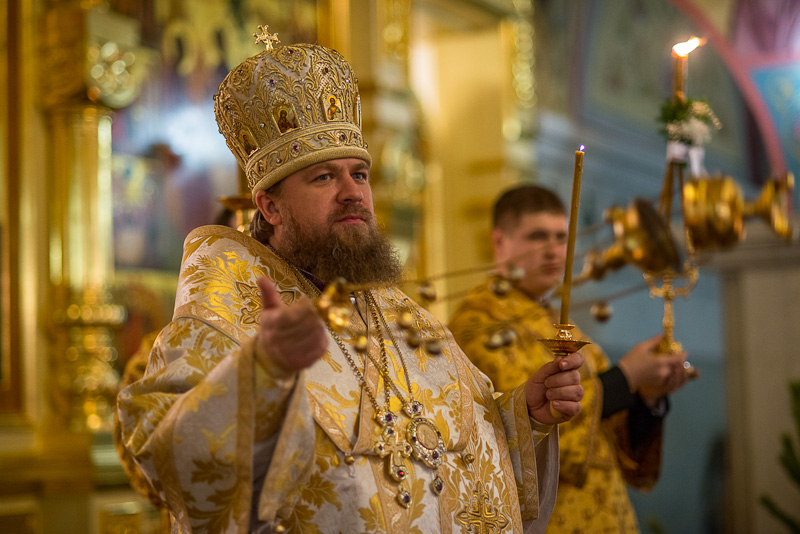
{"x":680,"y":61}
{"x":573,"y":225}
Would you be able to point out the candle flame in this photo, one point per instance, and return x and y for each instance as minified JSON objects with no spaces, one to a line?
{"x":683,"y":49}
{"x":582,"y":148}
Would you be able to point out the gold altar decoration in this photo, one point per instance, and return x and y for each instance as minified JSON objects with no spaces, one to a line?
{"x":240,"y":205}
{"x":86,"y":382}
{"x":713,"y":209}
{"x":81,"y":269}
{"x":91,"y":55}
{"x":674,"y":172}
{"x":641,"y":238}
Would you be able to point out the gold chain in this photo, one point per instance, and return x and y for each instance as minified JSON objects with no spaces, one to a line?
{"x":421,"y":436}
{"x":375,"y":314}
{"x":382,"y":368}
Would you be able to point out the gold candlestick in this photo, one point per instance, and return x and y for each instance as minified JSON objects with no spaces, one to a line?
{"x":563,"y":344}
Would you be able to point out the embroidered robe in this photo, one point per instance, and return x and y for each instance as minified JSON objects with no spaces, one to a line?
{"x":597,"y":459}
{"x":232,"y":446}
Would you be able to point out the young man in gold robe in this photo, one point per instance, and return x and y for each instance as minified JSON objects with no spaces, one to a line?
{"x":254,"y":415}
{"x":616,"y":439}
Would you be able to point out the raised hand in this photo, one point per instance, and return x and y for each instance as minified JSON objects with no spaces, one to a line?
{"x":554,"y":392}
{"x":291,"y":337}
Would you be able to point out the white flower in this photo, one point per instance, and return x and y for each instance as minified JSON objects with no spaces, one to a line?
{"x":696,"y":129}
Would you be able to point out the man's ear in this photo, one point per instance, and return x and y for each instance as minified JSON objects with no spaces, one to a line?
{"x":266,"y":205}
{"x":499,"y":245}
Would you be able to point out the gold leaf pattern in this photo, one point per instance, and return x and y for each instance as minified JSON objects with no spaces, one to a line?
{"x":301,"y":520}
{"x":372,"y":516}
{"x":318,"y":491}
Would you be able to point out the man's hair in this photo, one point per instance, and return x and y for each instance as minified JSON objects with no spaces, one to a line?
{"x":518,"y":201}
{"x":260,"y":229}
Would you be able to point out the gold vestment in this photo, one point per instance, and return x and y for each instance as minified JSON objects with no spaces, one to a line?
{"x":230,"y":446}
{"x":596,"y":457}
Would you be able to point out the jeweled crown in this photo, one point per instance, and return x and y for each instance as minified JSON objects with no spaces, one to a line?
{"x":287,"y":108}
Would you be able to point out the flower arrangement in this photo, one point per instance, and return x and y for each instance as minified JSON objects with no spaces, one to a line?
{"x":688,"y":121}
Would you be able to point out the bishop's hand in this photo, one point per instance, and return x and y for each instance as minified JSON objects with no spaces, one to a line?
{"x":289,"y":337}
{"x":554,"y":392}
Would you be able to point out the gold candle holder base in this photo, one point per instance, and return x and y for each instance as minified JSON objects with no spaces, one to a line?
{"x":563,"y":344}
{"x":242,"y":208}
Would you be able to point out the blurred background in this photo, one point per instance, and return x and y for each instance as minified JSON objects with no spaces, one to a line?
{"x":110,"y":156}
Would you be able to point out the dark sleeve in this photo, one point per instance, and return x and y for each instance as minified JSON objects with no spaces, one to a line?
{"x":617,"y":396}
{"x":643,"y":420}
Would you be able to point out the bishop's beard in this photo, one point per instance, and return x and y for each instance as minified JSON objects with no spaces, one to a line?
{"x":361,"y":254}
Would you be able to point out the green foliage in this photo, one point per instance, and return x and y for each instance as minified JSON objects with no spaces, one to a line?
{"x":783,"y":517}
{"x":790,"y":460}
{"x":674,"y":111}
{"x":688,"y":121}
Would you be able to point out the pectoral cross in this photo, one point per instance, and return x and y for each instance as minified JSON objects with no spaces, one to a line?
{"x":395,"y":451}
{"x":389,"y":446}
{"x":479,"y":516}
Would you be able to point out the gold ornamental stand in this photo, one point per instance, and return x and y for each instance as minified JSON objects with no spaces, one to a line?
{"x":241,"y":205}
{"x":563,"y":344}
{"x":668,"y":291}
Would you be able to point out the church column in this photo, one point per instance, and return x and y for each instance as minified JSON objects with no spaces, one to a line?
{"x":88,"y":53}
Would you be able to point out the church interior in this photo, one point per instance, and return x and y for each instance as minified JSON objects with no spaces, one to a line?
{"x":111,"y":156}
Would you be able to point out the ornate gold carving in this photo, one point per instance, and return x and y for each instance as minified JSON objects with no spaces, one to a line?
{"x":85,"y":383}
{"x":91,"y":56}
{"x":115,"y":73}
{"x":200,"y":36}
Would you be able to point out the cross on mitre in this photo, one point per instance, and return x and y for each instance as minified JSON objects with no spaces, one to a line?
{"x":269,"y":39}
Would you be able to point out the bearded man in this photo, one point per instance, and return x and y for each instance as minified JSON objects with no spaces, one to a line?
{"x":255,"y":415}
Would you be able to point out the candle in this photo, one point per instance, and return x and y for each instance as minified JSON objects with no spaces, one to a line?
{"x":680,"y":62}
{"x":573,"y":225}
{"x":679,"y":77}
